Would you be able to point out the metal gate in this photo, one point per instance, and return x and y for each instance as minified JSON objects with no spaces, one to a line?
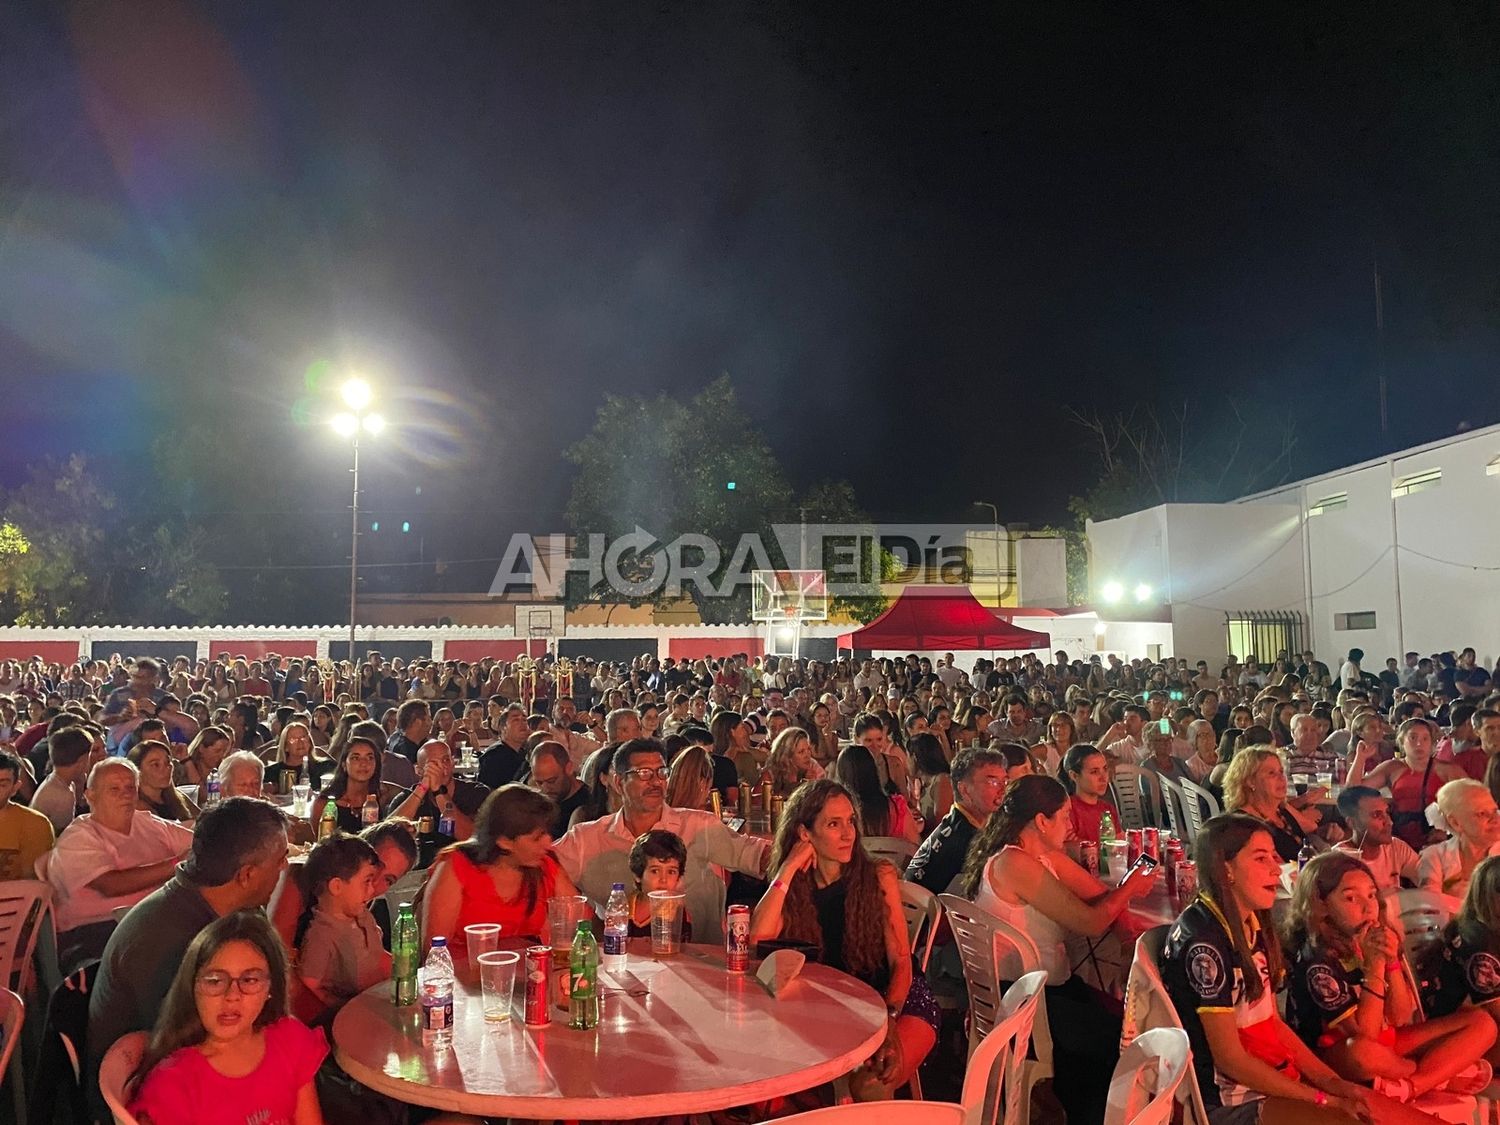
{"x":1262,"y":635}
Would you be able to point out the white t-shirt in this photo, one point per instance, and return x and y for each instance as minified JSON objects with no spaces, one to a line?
{"x":54,"y":798}
{"x":1391,"y":862}
{"x":87,"y":850}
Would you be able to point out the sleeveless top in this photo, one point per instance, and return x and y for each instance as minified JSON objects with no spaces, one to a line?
{"x":1411,"y":793}
{"x":1049,"y":936}
{"x":830,"y":903}
{"x":481,"y":903}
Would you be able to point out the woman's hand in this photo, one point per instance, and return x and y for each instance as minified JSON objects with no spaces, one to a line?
{"x":1139,"y":881}
{"x":800,"y":859}
{"x":886,"y":1062}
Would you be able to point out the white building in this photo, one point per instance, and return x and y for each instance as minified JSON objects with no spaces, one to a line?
{"x":1392,"y":555}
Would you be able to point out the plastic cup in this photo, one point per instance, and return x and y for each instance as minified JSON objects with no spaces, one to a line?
{"x":666,"y":922}
{"x":482,"y":937}
{"x":564,"y":912}
{"x":301,"y":798}
{"x":497,"y":982}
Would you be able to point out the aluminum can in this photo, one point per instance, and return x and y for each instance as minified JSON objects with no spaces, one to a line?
{"x":538,"y":985}
{"x":1088,"y":856}
{"x":1151,"y":843}
{"x":766,"y":794}
{"x":778,"y":806}
{"x":737,"y":938}
{"x":716,"y":802}
{"x":1134,"y":838}
{"x":1187,"y":879}
{"x":425,"y":826}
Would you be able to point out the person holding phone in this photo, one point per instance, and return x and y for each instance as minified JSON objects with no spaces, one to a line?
{"x":1017,"y":869}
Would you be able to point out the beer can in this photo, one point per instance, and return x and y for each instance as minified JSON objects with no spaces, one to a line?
{"x":737,"y":938}
{"x":424,"y":826}
{"x":1088,"y":852}
{"x":766,"y":795}
{"x":1187,"y":879}
{"x":746,"y":802}
{"x":538,"y":1011}
{"x":716,"y":802}
{"x":1134,"y":838}
{"x":778,"y":806}
{"x":1151,"y":843}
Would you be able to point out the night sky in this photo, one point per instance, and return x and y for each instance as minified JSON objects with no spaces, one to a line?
{"x":912,"y":234}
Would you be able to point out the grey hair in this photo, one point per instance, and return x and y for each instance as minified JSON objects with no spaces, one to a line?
{"x":232,"y":762}
{"x":111,"y":764}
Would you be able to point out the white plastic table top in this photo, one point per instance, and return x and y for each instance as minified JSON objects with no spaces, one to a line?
{"x":677,"y":1035}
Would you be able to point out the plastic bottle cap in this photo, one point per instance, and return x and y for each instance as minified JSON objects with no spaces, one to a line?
{"x":439,"y":941}
{"x":619,"y":886}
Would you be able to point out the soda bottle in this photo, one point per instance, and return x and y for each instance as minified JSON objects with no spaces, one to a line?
{"x":328,"y":824}
{"x":447,"y":824}
{"x":1106,"y":838}
{"x":584,"y":970}
{"x":370,"y":813}
{"x":616,"y":927}
{"x":437,"y":994}
{"x":1304,"y":854}
{"x":404,"y":957}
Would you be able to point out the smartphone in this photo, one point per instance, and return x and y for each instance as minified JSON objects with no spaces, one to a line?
{"x":1143,"y":862}
{"x":1164,"y":725}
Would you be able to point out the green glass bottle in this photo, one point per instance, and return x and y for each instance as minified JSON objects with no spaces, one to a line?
{"x":1106,"y":838}
{"x":404,"y":957}
{"x":584,"y":969}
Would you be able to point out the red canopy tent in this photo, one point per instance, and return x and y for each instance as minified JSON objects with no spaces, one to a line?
{"x":934,"y":618}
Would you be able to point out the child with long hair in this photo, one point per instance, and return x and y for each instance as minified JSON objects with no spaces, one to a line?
{"x":341,"y":953}
{"x":1465,"y":965}
{"x":1222,"y":967}
{"x":224,"y":1050}
{"x":828,"y":892}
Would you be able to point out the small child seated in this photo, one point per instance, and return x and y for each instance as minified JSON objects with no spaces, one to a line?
{"x":224,"y":1050}
{"x":1350,"y":998}
{"x":657,"y":861}
{"x":342,"y":953}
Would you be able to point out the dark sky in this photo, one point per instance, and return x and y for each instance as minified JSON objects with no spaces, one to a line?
{"x":912,"y":234}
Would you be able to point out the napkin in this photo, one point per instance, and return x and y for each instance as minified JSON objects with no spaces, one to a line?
{"x":778,"y":970}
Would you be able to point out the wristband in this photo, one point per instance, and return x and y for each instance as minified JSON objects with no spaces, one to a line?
{"x":1320,"y":1099}
{"x":778,"y":884}
{"x":420,"y":789}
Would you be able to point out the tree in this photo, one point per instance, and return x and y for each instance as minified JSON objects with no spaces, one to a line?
{"x":834,"y":502}
{"x":63,"y":515}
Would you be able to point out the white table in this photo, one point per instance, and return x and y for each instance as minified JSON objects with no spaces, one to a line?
{"x":675,"y":1036}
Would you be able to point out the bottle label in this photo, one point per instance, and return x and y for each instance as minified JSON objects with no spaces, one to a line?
{"x":437,"y":1015}
{"x":614,"y":943}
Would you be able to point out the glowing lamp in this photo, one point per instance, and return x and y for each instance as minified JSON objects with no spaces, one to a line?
{"x":1143,"y":593}
{"x":345,"y":425}
{"x":356,"y":394}
{"x":1112,"y":592}
{"x":373,"y":423}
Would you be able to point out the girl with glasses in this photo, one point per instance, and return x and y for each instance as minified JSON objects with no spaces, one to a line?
{"x":224,"y":1048}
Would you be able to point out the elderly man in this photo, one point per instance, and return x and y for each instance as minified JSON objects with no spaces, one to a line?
{"x":242,"y":774}
{"x":978,"y":784}
{"x":597,"y":854}
{"x":238,"y":853}
{"x":113,"y":856}
{"x":437,"y":796}
{"x":553,"y":776}
{"x":1309,"y":754}
{"x":622,"y":725}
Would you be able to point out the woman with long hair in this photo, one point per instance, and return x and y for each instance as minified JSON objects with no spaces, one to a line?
{"x":791,"y":761}
{"x":931,"y":772}
{"x":505,"y":873}
{"x":1222,"y":967}
{"x":1062,"y":732}
{"x":1255,"y":784}
{"x":356,"y":779}
{"x":1017,"y":869}
{"x":692,"y":777}
{"x":155,"y":792}
{"x":220,"y":688}
{"x":1461,"y":967}
{"x":244,"y":723}
{"x":603,"y":798}
{"x":732,"y":742}
{"x":1413,"y":778}
{"x":223,"y":1036}
{"x":825,"y":746}
{"x":827,"y":892}
{"x":321,"y":727}
{"x":209,"y":747}
{"x":880,"y":814}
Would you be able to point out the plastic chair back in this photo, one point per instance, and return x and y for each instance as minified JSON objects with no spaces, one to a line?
{"x":119,"y":1063}
{"x":25,"y":909}
{"x":893,"y":848}
{"x":1151,"y":797}
{"x":923,"y":913}
{"x":1147,"y":1006}
{"x":995,"y":1081}
{"x":1198,"y":805}
{"x":1127,"y":786}
{"x":1147,"y":1077}
{"x":974,"y":934}
{"x":1172,"y":797}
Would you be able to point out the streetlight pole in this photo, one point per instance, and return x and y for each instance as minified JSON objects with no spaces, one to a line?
{"x":357,"y":396}
{"x":995,"y":515}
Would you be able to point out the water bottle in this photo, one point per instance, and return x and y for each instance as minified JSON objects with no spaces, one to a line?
{"x":404,"y":957}
{"x":616,"y":927}
{"x":437,"y":994}
{"x":370,"y":813}
{"x":1106,"y":838}
{"x":584,"y":969}
{"x":211,"y":791}
{"x":447,"y":824}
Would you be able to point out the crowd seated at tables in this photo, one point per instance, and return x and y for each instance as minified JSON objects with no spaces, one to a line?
{"x":495,"y":788}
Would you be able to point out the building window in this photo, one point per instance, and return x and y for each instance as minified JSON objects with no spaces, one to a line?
{"x":1417,"y":482}
{"x":1328,"y":504}
{"x":1353,"y":622}
{"x":1263,"y":635}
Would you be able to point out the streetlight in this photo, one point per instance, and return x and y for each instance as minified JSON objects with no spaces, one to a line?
{"x":995,"y":513}
{"x":358,"y":419}
{"x":1112,"y":592}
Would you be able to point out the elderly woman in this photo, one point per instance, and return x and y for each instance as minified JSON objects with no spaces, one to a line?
{"x":242,"y":774}
{"x":1467,"y":809}
{"x":297,"y":754}
{"x":505,"y":874}
{"x":1205,"y":751}
{"x":1255,"y":784}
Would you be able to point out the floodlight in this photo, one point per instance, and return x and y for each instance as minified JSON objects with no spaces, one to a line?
{"x":373,"y":424}
{"x":1100,"y":628}
{"x":1143,"y":593}
{"x":1112,"y":592}
{"x":345,"y":425}
{"x":357,"y":394}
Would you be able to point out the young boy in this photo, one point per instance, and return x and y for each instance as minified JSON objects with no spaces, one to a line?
{"x":657,"y":860}
{"x":341,"y":954}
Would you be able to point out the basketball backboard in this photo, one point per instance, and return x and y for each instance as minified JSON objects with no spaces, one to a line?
{"x":776,"y":595}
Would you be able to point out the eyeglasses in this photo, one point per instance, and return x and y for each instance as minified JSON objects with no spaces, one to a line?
{"x":660,"y":773}
{"x":252,"y":983}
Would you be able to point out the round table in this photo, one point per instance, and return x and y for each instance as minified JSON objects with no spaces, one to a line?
{"x":677,"y":1035}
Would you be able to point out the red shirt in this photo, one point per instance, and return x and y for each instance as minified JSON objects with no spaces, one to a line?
{"x":1085,"y":818}
{"x":480,"y":902}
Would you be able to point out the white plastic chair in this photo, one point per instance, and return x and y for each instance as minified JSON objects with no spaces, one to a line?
{"x":1148,"y":1006}
{"x":995,"y":1080}
{"x":879,"y":1113}
{"x":1151,"y":797}
{"x":1144,"y":1088}
{"x":923,"y":914}
{"x":893,"y":848}
{"x":1422,"y":915}
{"x":12,"y":1019}
{"x":992,"y":951}
{"x":1198,"y":805}
{"x":1127,"y":786}
{"x":1172,"y":797}
{"x":25,"y":908}
{"x":115,"y":1069}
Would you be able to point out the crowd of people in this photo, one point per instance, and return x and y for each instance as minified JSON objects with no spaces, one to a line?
{"x":136,"y":790}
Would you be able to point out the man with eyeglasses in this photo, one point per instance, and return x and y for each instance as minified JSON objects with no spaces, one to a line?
{"x":979,"y":778}
{"x":597,"y":854}
{"x":238,"y":853}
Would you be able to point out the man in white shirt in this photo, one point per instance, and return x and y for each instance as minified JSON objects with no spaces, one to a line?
{"x":597,"y":854}
{"x":1349,"y":672}
{"x":579,"y":746}
{"x":1123,"y":741}
{"x":869,"y":676}
{"x":1368,"y":815}
{"x":948,"y":672}
{"x":113,"y":856}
